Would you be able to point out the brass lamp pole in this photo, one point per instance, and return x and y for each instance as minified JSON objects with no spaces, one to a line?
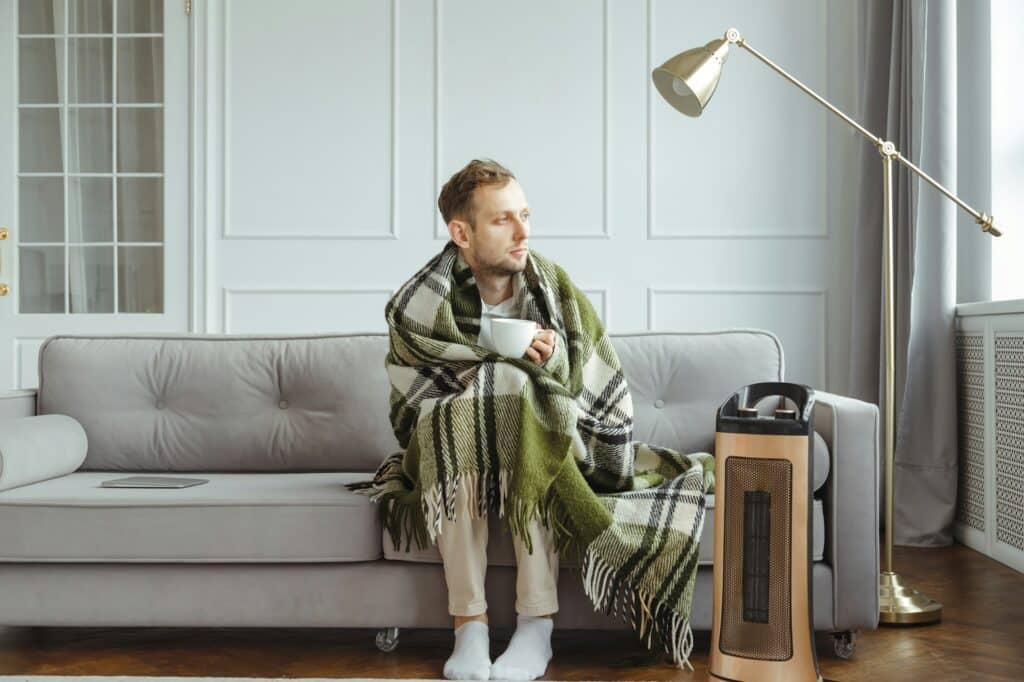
{"x":687,"y":81}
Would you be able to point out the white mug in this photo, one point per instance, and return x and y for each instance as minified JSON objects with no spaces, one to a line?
{"x":513,"y":336}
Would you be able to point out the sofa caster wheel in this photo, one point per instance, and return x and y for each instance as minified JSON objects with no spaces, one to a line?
{"x":845,"y":643}
{"x":387,"y":639}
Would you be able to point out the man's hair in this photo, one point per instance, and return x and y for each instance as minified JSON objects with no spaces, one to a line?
{"x":456,"y":198}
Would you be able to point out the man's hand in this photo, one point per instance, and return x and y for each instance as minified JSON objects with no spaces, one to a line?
{"x":543,"y":345}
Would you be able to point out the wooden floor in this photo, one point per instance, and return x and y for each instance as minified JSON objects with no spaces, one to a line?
{"x":981,"y":637}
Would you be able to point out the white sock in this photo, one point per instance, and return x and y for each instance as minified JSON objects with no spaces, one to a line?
{"x":528,"y":652}
{"x":471,"y":659}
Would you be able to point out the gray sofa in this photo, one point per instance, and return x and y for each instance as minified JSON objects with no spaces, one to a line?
{"x":277,"y":424}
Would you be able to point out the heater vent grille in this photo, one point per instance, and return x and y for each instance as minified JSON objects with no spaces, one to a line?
{"x":970,"y":362}
{"x":757,"y":501}
{"x":1009,"y":439}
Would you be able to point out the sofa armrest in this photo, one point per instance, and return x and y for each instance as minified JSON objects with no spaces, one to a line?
{"x":39,"y":447}
{"x":17,"y":403}
{"x":850,"y":498}
{"x":21,"y":403}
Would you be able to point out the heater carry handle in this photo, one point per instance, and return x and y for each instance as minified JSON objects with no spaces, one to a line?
{"x":748,"y":396}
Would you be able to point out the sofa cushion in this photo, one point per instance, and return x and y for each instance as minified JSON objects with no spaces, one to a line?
{"x":678,"y":380}
{"x":295,"y":517}
{"x":319,"y":402}
{"x":501,"y":553}
{"x":39,"y":447}
{"x":222,"y":403}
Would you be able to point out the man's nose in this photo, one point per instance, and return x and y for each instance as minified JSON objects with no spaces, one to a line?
{"x":522,"y":228}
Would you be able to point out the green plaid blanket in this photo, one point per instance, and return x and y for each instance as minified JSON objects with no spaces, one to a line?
{"x":552,"y":440}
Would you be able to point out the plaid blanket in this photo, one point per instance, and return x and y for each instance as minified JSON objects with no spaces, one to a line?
{"x":551,"y":440}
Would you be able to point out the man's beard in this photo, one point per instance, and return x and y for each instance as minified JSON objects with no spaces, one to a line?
{"x":500,"y":269}
{"x":497,"y":269}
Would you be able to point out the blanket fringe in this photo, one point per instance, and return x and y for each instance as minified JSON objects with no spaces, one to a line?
{"x":492,"y":492}
{"x":402,"y":520}
{"x":658,"y":618}
{"x":549,"y":512}
{"x":566,"y":540}
{"x":387,"y":489}
{"x":646,"y":616}
{"x":482,"y":495}
{"x":422,"y":523}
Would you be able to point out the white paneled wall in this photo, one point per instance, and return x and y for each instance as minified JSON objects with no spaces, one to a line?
{"x":797,"y":317}
{"x":309,"y":104}
{"x":528,"y":84}
{"x":282,"y":311}
{"x":325,"y":132}
{"x":753,"y":165}
{"x":26,"y":360}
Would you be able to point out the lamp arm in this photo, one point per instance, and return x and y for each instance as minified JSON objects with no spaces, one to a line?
{"x":884,"y":148}
{"x":983,"y":219}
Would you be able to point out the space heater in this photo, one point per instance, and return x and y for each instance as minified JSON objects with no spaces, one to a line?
{"x":762,"y":627}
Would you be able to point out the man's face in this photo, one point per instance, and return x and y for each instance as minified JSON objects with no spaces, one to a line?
{"x":501,"y":226}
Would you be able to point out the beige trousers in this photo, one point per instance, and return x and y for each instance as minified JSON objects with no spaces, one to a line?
{"x":463,"y":547}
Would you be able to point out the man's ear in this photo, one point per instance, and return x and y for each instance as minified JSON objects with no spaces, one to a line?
{"x":457,"y":230}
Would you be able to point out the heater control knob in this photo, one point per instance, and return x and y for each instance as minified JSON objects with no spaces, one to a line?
{"x":747,"y":412}
{"x":782,"y":413}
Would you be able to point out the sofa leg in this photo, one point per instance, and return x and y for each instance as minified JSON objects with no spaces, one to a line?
{"x":845,"y":643}
{"x":387,"y":639}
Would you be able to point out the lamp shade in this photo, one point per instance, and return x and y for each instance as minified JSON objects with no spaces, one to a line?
{"x":688,"y":80}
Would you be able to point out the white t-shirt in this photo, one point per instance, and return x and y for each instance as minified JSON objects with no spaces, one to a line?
{"x":503,"y":309}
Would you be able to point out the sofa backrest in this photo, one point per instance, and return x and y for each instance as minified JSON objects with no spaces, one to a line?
{"x":244,"y":402}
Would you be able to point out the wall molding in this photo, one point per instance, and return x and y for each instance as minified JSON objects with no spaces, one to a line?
{"x":606,"y":321}
{"x":822,"y":294}
{"x":823,"y":233}
{"x":228,"y":292}
{"x":198,"y":268}
{"x":440,"y":229}
{"x":19,"y":342}
{"x":391,"y":106}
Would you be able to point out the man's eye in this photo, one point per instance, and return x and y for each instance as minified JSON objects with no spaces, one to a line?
{"x":526,"y":216}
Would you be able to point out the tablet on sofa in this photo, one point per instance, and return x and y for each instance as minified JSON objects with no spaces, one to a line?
{"x":152,"y":482}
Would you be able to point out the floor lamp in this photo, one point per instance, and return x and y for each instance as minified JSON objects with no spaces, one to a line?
{"x":687,"y":81}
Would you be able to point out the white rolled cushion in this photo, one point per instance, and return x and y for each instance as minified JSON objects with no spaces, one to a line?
{"x":39,"y":447}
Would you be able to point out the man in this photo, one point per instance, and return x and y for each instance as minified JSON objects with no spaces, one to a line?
{"x":547,"y":435}
{"x":489,"y":219}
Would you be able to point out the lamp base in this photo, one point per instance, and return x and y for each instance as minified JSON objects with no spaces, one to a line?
{"x":899,"y":604}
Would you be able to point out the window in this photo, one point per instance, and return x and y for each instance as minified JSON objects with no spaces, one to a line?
{"x":1007,"y":150}
{"x":90,"y":160}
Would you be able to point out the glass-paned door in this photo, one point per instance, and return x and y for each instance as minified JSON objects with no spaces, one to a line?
{"x":94,"y":193}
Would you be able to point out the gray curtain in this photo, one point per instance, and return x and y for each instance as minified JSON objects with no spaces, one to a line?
{"x":909,"y":97}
